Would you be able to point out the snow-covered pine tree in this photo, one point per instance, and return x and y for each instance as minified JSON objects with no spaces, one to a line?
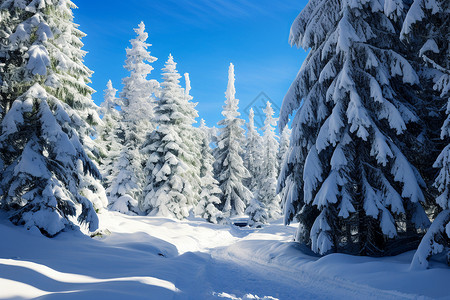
{"x":123,"y":191}
{"x":126,"y":181}
{"x":192,"y":139}
{"x":47,"y":179}
{"x":348,"y":174}
{"x":138,"y":92}
{"x":117,"y":165}
{"x":107,"y":139}
{"x":425,"y":28}
{"x":267,"y":180}
{"x":252,"y":153}
{"x":168,"y":191}
{"x":210,"y":191}
{"x":257,"y":213}
{"x":137,"y":112}
{"x":229,"y":168}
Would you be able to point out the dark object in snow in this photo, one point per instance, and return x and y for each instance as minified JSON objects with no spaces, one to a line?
{"x":240,"y":221}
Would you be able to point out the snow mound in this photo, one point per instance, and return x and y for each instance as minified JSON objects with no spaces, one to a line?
{"x":163,"y":258}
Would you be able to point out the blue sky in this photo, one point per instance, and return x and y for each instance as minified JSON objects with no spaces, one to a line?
{"x":204,"y":36}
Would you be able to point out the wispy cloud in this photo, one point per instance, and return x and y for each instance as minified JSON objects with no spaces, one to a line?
{"x":201,"y":12}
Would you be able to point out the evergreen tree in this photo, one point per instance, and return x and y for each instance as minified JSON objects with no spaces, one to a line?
{"x":123,"y":191}
{"x":137,"y":111}
{"x":47,"y":178}
{"x":425,"y":29}
{"x":118,"y":167}
{"x":127,"y":168}
{"x":210,"y":191}
{"x":107,"y":136}
{"x":257,"y":213}
{"x":138,"y":91}
{"x":192,"y":139}
{"x":267,"y":181}
{"x":229,"y":167}
{"x":348,"y":173}
{"x":168,"y":191}
{"x":253,"y":153}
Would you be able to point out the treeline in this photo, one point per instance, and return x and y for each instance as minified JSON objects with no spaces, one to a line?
{"x":146,"y":156}
{"x":156,"y":162}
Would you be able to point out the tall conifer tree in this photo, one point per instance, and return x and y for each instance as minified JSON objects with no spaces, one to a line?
{"x":137,"y":112}
{"x":229,"y":167}
{"x":210,"y":191}
{"x":348,"y":172}
{"x":169,"y":191}
{"x":47,"y":178}
{"x":426,"y":29}
{"x":267,"y":181}
{"x":252,"y":153}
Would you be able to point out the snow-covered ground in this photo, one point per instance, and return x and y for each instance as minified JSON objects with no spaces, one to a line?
{"x":160,"y":258}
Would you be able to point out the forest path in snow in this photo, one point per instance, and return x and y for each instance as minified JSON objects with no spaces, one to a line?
{"x":161,"y":258}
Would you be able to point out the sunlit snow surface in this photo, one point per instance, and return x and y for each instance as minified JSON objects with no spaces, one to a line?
{"x":160,"y":258}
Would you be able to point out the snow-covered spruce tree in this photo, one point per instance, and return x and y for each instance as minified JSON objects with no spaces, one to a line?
{"x":347,"y":174}
{"x":117,"y":164}
{"x":138,"y":92}
{"x":47,"y":179}
{"x":257,"y":213}
{"x":124,"y":187}
{"x":425,"y":28}
{"x":168,"y":191}
{"x":137,"y":112}
{"x":192,"y":139}
{"x":210,"y":191}
{"x":252,"y":153}
{"x":267,"y":180}
{"x":126,"y":181}
{"x":229,"y":168}
{"x":107,"y":139}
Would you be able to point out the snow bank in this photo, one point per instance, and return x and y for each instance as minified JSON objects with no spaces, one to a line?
{"x":161,"y":258}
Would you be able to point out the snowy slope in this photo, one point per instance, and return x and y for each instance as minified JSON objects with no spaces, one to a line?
{"x":161,"y":258}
